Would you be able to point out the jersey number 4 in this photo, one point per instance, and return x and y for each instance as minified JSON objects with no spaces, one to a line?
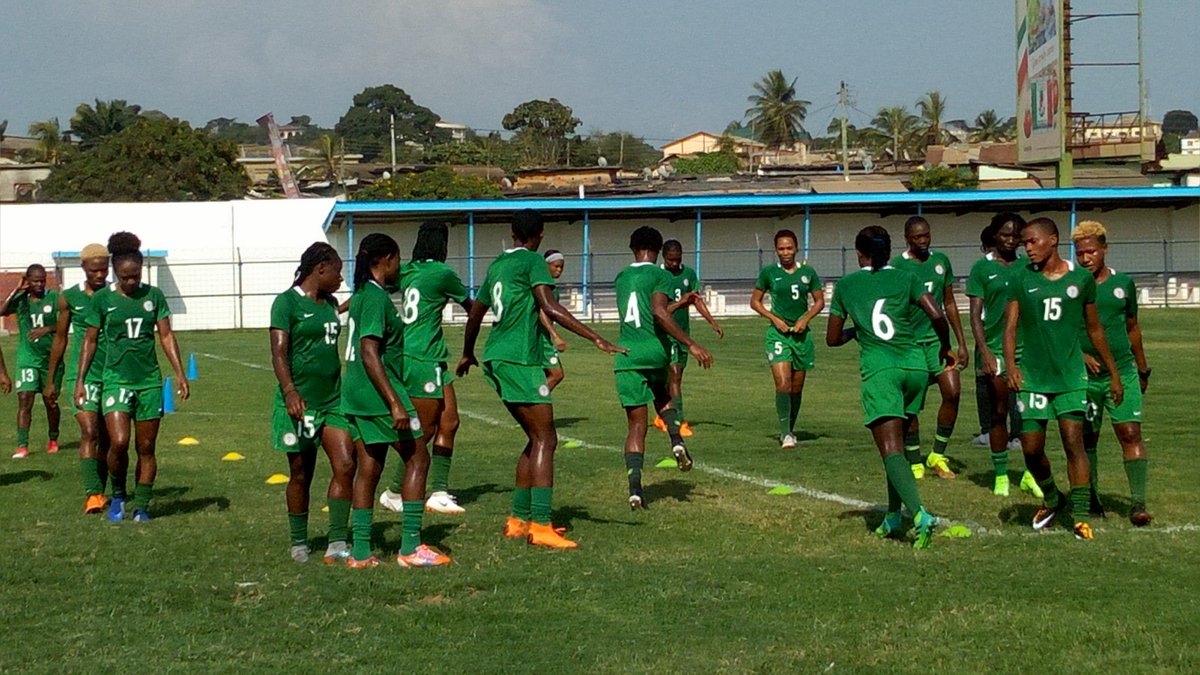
{"x":632,"y":314}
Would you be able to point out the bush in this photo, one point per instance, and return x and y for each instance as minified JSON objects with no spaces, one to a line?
{"x":436,"y":184}
{"x":707,"y":163}
{"x":941,"y":178}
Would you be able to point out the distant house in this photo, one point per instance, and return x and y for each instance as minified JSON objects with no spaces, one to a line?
{"x":458,"y":132}
{"x":559,"y":177}
{"x":1190,"y":144}
{"x":18,"y":182}
{"x":695,"y":144}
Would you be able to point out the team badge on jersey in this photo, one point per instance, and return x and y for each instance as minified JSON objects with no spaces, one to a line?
{"x":804,"y":278}
{"x":148,"y":306}
{"x":1119,"y":293}
{"x":1072,"y":291}
{"x":430,"y":387}
{"x":543,"y":391}
{"x":47,"y":309}
{"x":940,"y":270}
{"x":414,"y":424}
{"x":289,"y":439}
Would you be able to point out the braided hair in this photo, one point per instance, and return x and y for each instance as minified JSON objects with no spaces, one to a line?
{"x":875,"y":243}
{"x":432,"y":241}
{"x":373,"y":248}
{"x":319,"y":252}
{"x":987,"y":238}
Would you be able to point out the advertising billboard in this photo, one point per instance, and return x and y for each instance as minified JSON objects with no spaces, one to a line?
{"x":1041,"y":121}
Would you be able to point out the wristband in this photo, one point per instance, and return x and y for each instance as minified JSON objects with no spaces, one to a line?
{"x":1145,"y":374}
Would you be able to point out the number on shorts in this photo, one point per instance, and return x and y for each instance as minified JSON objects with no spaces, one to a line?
{"x":881,"y":324}
{"x":351,"y":352}
{"x":125,"y":396}
{"x":306,"y":427}
{"x":778,"y":348}
{"x":498,"y":299}
{"x":1051,"y":309}
{"x":92,"y":391}
{"x":632,"y":315}
{"x":133,"y":327}
{"x":411,"y":297}
{"x":27,"y":375}
{"x":1038,"y":401}
{"x":437,"y":375}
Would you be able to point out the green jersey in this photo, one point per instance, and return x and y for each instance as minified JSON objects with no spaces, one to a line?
{"x":372,"y":314}
{"x":989,"y":281}
{"x":646,"y":341}
{"x":1116,"y":301}
{"x":789,"y":290}
{"x":880,"y":303}
{"x":1052,"y":317}
{"x":682,"y":283}
{"x":547,"y":344}
{"x":508,"y":291}
{"x":312,"y":327}
{"x":78,"y":302}
{"x":126,"y":324}
{"x":33,"y":313}
{"x":935,"y":275}
{"x":427,"y":286}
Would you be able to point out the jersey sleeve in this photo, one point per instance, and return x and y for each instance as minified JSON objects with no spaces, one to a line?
{"x":281,"y":313}
{"x":1088,"y":292}
{"x":915,"y":289}
{"x":763,"y":283}
{"x":695,"y":279}
{"x":91,"y":315}
{"x":814,"y":280}
{"x":837,"y":307}
{"x":949,"y":276}
{"x":161,"y":309}
{"x":1131,"y":303}
{"x":372,"y":321}
{"x":664,"y":284}
{"x":453,"y":287}
{"x":975,"y":282}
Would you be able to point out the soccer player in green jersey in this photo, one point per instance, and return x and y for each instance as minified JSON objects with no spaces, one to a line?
{"x":879,"y":300}
{"x":427,"y":283}
{"x":1053,"y":302}
{"x":789,"y":345}
{"x":987,"y":289}
{"x":129,"y":313}
{"x":304,"y":355}
{"x":933,"y":270}
{"x":37,"y":310}
{"x":73,"y":306}
{"x":378,"y":408}
{"x":1116,"y":302}
{"x":642,"y":374}
{"x":5,"y":380}
{"x":685,"y":291}
{"x":552,"y":343}
{"x":516,"y":286}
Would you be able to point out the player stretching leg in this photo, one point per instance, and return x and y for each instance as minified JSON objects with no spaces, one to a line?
{"x":427,"y":283}
{"x":73,"y":304}
{"x":304,"y":354}
{"x":1053,"y":302}
{"x":789,"y":344}
{"x":37,"y":311}
{"x":933,"y":270}
{"x":1116,"y":302}
{"x":552,"y":343}
{"x":684,"y":284}
{"x":647,"y":327}
{"x":988,"y":290}
{"x":378,"y":408}
{"x":516,"y":287}
{"x":129,"y":313}
{"x":879,"y":300}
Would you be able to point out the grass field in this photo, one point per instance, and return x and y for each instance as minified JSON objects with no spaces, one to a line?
{"x":717,"y":575}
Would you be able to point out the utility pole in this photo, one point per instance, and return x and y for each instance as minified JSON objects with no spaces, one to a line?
{"x":393,"y":134}
{"x":1141,"y":87}
{"x":845,"y":150}
{"x":1066,"y":160}
{"x":621,"y":159}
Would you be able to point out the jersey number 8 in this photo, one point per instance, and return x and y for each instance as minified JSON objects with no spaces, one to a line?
{"x":411,"y":297}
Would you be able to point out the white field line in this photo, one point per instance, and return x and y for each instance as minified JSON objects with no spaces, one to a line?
{"x":820,"y":495}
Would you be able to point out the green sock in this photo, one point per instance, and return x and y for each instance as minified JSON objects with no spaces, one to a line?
{"x":339,"y":519}
{"x":670,"y":417}
{"x":794,"y":403}
{"x":360,"y":523}
{"x":894,"y":501}
{"x":678,"y":401}
{"x":141,"y":496}
{"x":22,"y":437}
{"x":541,"y":497}
{"x":90,"y":470}
{"x":1092,"y":470}
{"x":119,"y":489}
{"x":1081,"y":498}
{"x":1136,"y":470}
{"x":522,"y":503}
{"x":298,"y":528}
{"x":633,"y":468}
{"x":912,"y":453}
{"x":53,"y":435}
{"x":397,"y":484}
{"x":1000,"y":463}
{"x":410,"y":539}
{"x":439,"y":471}
{"x":900,"y":475}
{"x":1050,"y":490}
{"x":783,"y":412}
{"x":942,"y":438}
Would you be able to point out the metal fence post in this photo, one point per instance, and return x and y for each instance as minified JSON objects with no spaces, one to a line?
{"x":586,"y":273}
{"x":471,"y":253}
{"x":807,"y":229}
{"x":241,"y":317}
{"x":350,"y":247}
{"x":1166,"y":273}
{"x":843,"y":260}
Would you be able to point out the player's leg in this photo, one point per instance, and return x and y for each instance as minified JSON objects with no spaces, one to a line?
{"x":441,"y":454}
{"x":118,"y":424}
{"x":53,"y":413}
{"x":983,"y":408}
{"x":803,"y":360}
{"x":664,"y":405}
{"x":89,"y":460}
{"x":339,"y":448}
{"x":799,"y":375}
{"x":889,"y":397}
{"x":1093,"y":423}
{"x":1070,"y":429}
{"x":635,"y":453}
{"x":997,"y":387}
{"x":950,"y":387}
{"x":781,"y":372}
{"x":147,"y":467}
{"x":675,"y":390}
{"x":24,"y":418}
{"x":370,"y":459}
{"x":301,"y":465}
{"x":537,"y":419}
{"x":1136,"y":463}
{"x":1034,"y":419}
{"x":413,"y":553}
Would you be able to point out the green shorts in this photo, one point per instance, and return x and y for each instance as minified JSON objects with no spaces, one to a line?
{"x":376,"y":429}
{"x":1035,"y":407}
{"x":425,"y":379}
{"x":35,"y":379}
{"x":550,"y":356}
{"x":303,"y":435}
{"x":679,"y":354}
{"x":789,"y":348}
{"x":999,"y":363}
{"x":517,"y":383}
{"x":893,"y":392}
{"x":141,"y":403}
{"x":639,"y":387}
{"x":91,"y":400}
{"x":1099,"y":402}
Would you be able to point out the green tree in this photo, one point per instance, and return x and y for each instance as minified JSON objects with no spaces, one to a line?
{"x":1180,"y":122}
{"x":151,"y":161}
{"x":541,"y":130}
{"x":932,"y":108}
{"x":942,"y":178}
{"x":436,"y":184}
{"x":988,"y":127}
{"x":93,"y":124}
{"x":776,"y":115}
{"x":50,"y":139}
{"x":366,"y":126}
{"x":239,"y":133}
{"x":896,"y":127}
{"x":624,"y":149}
{"x":706,"y":163}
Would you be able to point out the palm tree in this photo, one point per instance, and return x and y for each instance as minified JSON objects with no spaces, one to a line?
{"x":776,"y":115}
{"x":91,"y":125}
{"x":988,"y":127}
{"x":50,"y":139}
{"x":896,"y":125}
{"x":932,"y":108}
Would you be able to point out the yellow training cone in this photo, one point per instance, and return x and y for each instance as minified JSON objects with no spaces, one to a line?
{"x":276,"y":479}
{"x":188,"y":440}
{"x":232,"y":457}
{"x":324,"y":509}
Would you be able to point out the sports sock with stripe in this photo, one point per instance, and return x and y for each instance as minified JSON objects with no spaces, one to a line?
{"x":670,"y":417}
{"x":912,"y":447}
{"x":677,"y":401}
{"x":89,"y":469}
{"x":360,"y":523}
{"x":141,"y":496}
{"x":942,"y":438}
{"x":1000,"y":463}
{"x":22,"y":437}
{"x":794,"y":403}
{"x":1080,"y":500}
{"x":633,"y":469}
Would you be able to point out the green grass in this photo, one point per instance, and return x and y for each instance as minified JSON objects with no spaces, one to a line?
{"x":717,"y":575}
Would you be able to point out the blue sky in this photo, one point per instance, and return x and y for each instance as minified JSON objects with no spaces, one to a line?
{"x":660,"y":69}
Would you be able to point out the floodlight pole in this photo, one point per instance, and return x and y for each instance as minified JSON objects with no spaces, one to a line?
{"x":1066,"y":161}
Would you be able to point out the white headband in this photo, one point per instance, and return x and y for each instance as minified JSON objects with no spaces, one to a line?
{"x":554,"y":257}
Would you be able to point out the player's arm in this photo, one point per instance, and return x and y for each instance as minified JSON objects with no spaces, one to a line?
{"x":5,"y":381}
{"x":1012,"y":317}
{"x":951,"y":305}
{"x":666,"y":320}
{"x":1134,"y":329}
{"x":1095,"y":333}
{"x":560,"y":315}
{"x":818,"y":304}
{"x":87,"y":350}
{"x":343,"y":306}
{"x":170,"y":347}
{"x":368,"y":348}
{"x":756,"y":303}
{"x":280,"y":346}
{"x":8,"y":305}
{"x":940,"y":326}
{"x":59,"y":345}
{"x":987,"y":360}
{"x":702,"y":307}
{"x":555,"y":339}
{"x":471,"y":335}
{"x":836,"y":333}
